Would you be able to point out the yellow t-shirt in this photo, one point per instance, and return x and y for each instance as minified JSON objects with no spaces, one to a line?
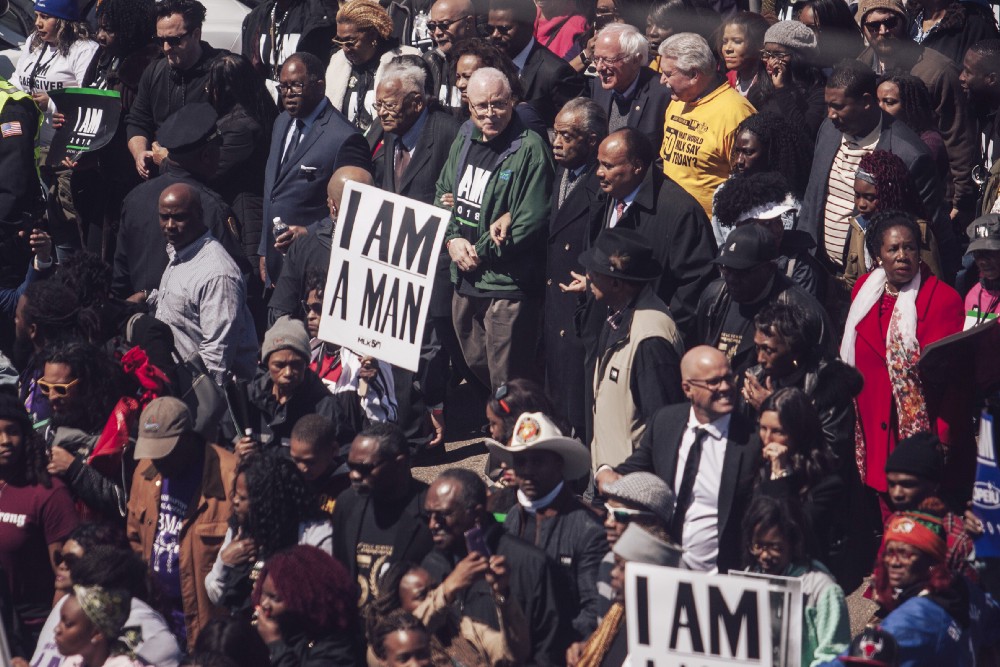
{"x":698,"y":138}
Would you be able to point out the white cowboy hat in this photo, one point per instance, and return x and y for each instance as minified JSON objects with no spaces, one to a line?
{"x":534,"y":430}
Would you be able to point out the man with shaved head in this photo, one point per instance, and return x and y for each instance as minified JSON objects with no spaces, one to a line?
{"x":311,"y":252}
{"x":202,"y":296}
{"x":451,"y":21}
{"x":708,"y":455}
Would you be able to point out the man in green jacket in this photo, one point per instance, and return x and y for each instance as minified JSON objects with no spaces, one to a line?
{"x":497,"y":167}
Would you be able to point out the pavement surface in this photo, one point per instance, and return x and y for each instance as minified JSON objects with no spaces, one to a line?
{"x":464,"y":448}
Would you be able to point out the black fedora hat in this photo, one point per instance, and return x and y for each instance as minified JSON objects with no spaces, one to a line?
{"x":622,"y":253}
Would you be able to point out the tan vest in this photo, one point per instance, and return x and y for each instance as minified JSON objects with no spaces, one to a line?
{"x":618,"y":426}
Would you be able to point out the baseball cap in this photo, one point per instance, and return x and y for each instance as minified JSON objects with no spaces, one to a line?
{"x":161,"y":426}
{"x":746,"y":247}
{"x":985,"y":233}
{"x":874,"y":646}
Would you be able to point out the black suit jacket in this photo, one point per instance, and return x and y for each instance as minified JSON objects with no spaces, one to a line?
{"x":565,"y":376}
{"x":658,"y":452}
{"x":675,"y":225}
{"x":549,"y":82}
{"x":412,"y":540}
{"x":648,"y":107}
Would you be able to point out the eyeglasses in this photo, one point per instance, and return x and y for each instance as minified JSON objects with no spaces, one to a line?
{"x":501,"y":393}
{"x":59,"y":558}
{"x":773,"y":548}
{"x":391,"y":108}
{"x":502,"y":29}
{"x":364,"y":469}
{"x":625,"y":515}
{"x":775,"y":55}
{"x":875,"y":27}
{"x":489,"y":108}
{"x":901,"y":555}
{"x":346,"y":43}
{"x":602,"y":60}
{"x":55,"y":388}
{"x":174,"y":40}
{"x":295,"y":87}
{"x":712,"y":383}
{"x":444,"y":25}
{"x":438,"y":516}
{"x":314,"y":308}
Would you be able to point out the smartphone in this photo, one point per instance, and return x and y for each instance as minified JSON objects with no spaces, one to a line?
{"x":475,"y":541}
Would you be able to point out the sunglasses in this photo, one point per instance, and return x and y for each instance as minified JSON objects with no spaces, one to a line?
{"x":624,"y":515}
{"x":68,"y":559}
{"x":444,"y":25}
{"x":55,"y":388}
{"x":502,"y":29}
{"x":875,"y":27}
{"x":315,"y":309}
{"x":364,"y":469}
{"x":175,"y":40}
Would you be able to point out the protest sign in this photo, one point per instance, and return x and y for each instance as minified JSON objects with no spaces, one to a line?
{"x":91,"y":120}
{"x":986,"y":492}
{"x":786,"y":617}
{"x":694,"y":619}
{"x":382,"y":263}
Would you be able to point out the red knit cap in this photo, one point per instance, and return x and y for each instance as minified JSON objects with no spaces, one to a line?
{"x":923,"y":531}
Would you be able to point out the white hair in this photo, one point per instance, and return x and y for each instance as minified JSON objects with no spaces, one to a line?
{"x":691,"y":52}
{"x":411,"y":78}
{"x":632,"y":42}
{"x":491,"y":76}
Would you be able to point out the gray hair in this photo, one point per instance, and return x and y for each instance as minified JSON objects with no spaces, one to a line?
{"x":491,"y":75}
{"x":411,"y":78}
{"x":691,"y":52}
{"x":591,"y":118}
{"x":632,"y":42}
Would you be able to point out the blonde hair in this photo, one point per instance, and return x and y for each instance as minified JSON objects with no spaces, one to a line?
{"x":366,"y":15}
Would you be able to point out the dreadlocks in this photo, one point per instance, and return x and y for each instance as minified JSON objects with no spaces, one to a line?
{"x":784,"y":150}
{"x":279,"y":502}
{"x":893,"y":184}
{"x":916,"y":111}
{"x":131,"y":21}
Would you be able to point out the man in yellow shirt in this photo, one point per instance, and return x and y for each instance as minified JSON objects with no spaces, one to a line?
{"x":701,"y":119}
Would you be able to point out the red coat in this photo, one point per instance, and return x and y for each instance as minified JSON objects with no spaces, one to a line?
{"x":949,"y":408}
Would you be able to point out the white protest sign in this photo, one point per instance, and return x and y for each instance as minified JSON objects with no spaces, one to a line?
{"x":382,"y":264}
{"x":679,"y":617}
{"x":786,"y":617}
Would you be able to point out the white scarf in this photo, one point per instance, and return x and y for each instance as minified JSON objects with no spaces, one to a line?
{"x":533,"y":506}
{"x":868,"y":296}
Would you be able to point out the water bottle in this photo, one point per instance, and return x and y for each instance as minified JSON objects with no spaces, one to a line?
{"x":279,"y":227}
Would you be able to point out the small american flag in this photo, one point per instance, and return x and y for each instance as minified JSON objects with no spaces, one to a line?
{"x":12,"y":129}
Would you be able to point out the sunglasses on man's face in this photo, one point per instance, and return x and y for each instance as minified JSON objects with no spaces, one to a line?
{"x":624,"y":514}
{"x":55,"y":388}
{"x":875,"y":27}
{"x":502,"y":29}
{"x":173,"y":41}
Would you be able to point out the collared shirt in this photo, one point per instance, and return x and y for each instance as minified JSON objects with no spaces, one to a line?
{"x":202,"y":299}
{"x":840,"y":191}
{"x":409,"y":139}
{"x":307,"y":124}
{"x":522,"y":58}
{"x":629,"y":92}
{"x":629,"y":198}
{"x":700,"y":535}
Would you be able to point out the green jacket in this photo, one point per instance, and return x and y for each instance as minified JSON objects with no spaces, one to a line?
{"x":521,"y":184}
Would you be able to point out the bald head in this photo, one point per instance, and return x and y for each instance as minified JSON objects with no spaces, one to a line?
{"x":180,"y":214}
{"x":707,"y":381}
{"x":335,"y":188}
{"x":460,"y":18}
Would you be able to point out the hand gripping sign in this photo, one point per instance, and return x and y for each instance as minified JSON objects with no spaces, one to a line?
{"x":382,"y":264}
{"x":91,"y":120}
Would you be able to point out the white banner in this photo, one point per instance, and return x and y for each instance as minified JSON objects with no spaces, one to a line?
{"x":382,"y":263}
{"x":786,"y":617}
{"x":694,"y":619}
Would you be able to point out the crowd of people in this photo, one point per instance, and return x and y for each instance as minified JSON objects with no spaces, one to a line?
{"x":695,"y":254}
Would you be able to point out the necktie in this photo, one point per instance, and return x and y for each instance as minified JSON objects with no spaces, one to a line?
{"x":566,"y":185}
{"x":294,"y":142}
{"x":402,"y":159}
{"x":685,"y":494}
{"x":619,"y":212}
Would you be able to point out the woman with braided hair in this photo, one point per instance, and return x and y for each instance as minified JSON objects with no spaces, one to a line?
{"x":884,"y":184}
{"x":366,"y":46}
{"x":768,"y":142}
{"x":272,"y":510}
{"x":905,"y":97}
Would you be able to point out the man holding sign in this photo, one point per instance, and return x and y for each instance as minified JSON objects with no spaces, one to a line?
{"x":496,"y":166}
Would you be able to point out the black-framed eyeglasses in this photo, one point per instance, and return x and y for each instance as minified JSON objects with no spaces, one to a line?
{"x":59,"y":558}
{"x":889,"y":23}
{"x":712,"y":383}
{"x":364,"y":469}
{"x":174,"y":40}
{"x":773,"y":548}
{"x":445,"y":24}
{"x":502,"y":29}
{"x":625,"y":515}
{"x":295,"y":87}
{"x":314,"y":308}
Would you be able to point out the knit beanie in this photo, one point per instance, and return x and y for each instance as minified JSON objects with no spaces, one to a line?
{"x":13,"y":410}
{"x":60,"y":9}
{"x":919,"y":455}
{"x":918,"y":529}
{"x":866,"y":6}
{"x":286,"y":334}
{"x":793,"y":34}
{"x":645,"y":490}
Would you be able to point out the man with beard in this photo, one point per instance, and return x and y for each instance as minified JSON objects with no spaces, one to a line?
{"x":377,"y":521}
{"x":708,"y":455}
{"x":980,"y":79}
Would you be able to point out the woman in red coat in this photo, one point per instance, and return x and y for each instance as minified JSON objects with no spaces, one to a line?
{"x":896,"y":311}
